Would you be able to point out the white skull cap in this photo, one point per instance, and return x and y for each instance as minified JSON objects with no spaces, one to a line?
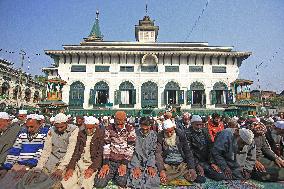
{"x":60,"y":118}
{"x":23,"y":112}
{"x":91,"y":120}
{"x":33,"y":116}
{"x":4,"y":115}
{"x":168,"y":124}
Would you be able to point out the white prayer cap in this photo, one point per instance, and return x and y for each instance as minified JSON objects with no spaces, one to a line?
{"x":247,"y":135}
{"x":68,"y":115}
{"x":111,"y":121}
{"x":15,"y":120}
{"x":105,"y":117}
{"x":23,"y":112}
{"x":168,"y":124}
{"x":33,"y":116}
{"x":60,"y":118}
{"x":235,"y":118}
{"x":41,"y":117}
{"x":52,"y":119}
{"x":196,"y":118}
{"x":4,"y":115}
{"x":91,"y":120}
{"x":279,"y":124}
{"x":186,"y":114}
{"x":162,"y":117}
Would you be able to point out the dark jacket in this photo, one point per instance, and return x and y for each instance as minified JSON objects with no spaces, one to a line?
{"x":182,"y":145}
{"x":7,"y":140}
{"x":263,"y":148}
{"x":201,"y":150}
{"x":96,"y":150}
{"x":276,"y":146}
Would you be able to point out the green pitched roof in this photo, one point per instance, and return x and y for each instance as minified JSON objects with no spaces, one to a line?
{"x":96,"y":32}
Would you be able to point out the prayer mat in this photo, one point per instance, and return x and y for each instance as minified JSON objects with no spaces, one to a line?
{"x":211,"y":184}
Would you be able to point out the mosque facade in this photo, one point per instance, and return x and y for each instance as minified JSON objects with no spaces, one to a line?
{"x":145,"y":73}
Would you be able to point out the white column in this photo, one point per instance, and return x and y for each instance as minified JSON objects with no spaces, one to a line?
{"x":138,"y":98}
{"x":87,"y":97}
{"x":65,"y":93}
{"x":160,"y":97}
{"x":208,"y":100}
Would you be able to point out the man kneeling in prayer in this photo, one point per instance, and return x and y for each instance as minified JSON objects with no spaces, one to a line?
{"x":174,"y":156}
{"x":143,"y":171}
{"x":87,"y":156}
{"x":45,"y":174}
{"x":234,"y":152}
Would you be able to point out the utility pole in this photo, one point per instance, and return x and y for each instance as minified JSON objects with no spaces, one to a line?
{"x":258,"y":80}
{"x":19,"y":96}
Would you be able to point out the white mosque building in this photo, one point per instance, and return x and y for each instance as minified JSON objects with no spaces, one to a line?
{"x":145,"y":73}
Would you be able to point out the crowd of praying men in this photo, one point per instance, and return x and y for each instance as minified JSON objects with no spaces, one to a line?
{"x":37,"y":152}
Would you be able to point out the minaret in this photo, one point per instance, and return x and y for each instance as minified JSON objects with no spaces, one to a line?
{"x":95,"y":34}
{"x":146,"y":31}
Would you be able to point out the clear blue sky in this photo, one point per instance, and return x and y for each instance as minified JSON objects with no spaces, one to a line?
{"x":248,"y":25}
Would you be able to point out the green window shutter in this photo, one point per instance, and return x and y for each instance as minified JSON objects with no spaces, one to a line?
{"x":180,"y":97}
{"x":204,"y":99}
{"x":92,"y":96}
{"x":229,"y":96}
{"x":213,"y":97}
{"x":134,"y":96}
{"x":189,"y":97}
{"x":165,"y":97}
{"x":117,"y":97}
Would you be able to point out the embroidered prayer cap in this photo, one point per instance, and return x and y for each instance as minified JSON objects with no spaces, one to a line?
{"x":120,"y":115}
{"x":105,"y":118}
{"x":279,"y":124}
{"x":4,"y":115}
{"x":34,"y":116}
{"x":111,"y":121}
{"x":52,"y":119}
{"x":60,"y":118}
{"x":196,"y":118}
{"x":186,"y":114}
{"x":168,"y":124}
{"x":23,"y":112}
{"x":41,"y":117}
{"x":247,"y":135}
{"x":91,"y":120}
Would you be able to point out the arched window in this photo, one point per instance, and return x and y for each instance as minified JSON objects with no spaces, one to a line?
{"x":36,"y":97}
{"x":219,"y":93}
{"x":149,"y":94}
{"x":99,"y":96}
{"x":5,"y":89}
{"x":126,"y":95}
{"x":76,"y":95}
{"x":196,"y":95}
{"x":28,"y":95}
{"x":173,"y":94}
{"x":17,"y":92}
